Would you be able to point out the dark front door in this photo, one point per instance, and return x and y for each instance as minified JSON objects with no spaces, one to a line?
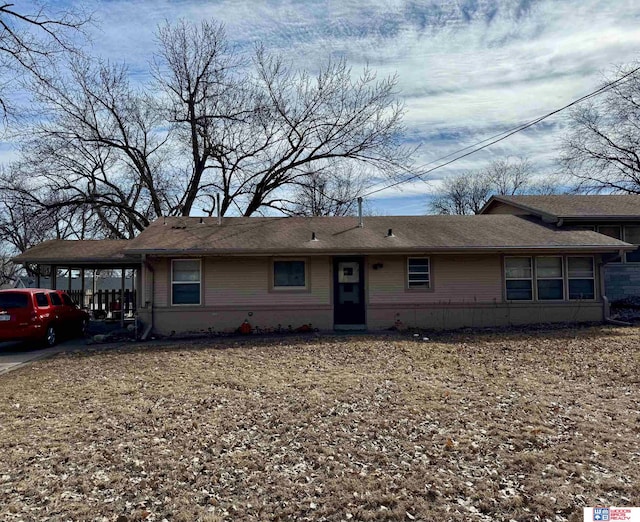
{"x":348,"y":291}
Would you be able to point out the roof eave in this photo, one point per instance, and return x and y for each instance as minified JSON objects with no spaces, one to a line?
{"x":386,"y":251}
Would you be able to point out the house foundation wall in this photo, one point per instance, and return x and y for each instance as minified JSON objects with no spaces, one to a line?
{"x":437,"y":317}
{"x":447,"y":317}
{"x":227,"y":320}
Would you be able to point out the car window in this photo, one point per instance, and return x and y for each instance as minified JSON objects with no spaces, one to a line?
{"x":13,"y":300}
{"x":67,"y":300}
{"x":41,"y":299}
{"x":55,"y":299}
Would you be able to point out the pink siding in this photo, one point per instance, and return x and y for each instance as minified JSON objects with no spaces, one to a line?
{"x":454,"y":279}
{"x":161,"y":281}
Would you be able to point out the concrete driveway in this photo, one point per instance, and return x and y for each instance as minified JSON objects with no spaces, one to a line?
{"x":13,"y":355}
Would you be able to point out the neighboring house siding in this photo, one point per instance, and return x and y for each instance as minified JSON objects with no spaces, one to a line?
{"x":454,"y":279}
{"x":622,"y":281}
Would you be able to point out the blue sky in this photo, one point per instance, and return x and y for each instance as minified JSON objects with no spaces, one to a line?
{"x":467,"y":69}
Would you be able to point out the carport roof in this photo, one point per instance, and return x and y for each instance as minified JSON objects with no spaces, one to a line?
{"x":81,"y":253}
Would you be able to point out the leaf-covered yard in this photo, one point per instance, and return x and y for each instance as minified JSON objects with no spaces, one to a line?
{"x":508,"y":426}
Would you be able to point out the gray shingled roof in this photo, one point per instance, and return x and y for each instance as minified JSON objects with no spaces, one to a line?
{"x":609,"y":206}
{"x":83,"y":252}
{"x":342,"y":235}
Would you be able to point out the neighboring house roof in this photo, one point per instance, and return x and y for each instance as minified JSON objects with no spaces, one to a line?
{"x":293,"y":235}
{"x":83,"y":252}
{"x":609,"y":207}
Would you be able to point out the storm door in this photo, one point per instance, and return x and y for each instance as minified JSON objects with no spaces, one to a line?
{"x":348,"y":291}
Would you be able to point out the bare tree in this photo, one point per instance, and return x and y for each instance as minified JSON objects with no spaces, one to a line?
{"x":32,"y":37}
{"x":100,"y":146}
{"x":253,"y":133}
{"x":332,"y":191}
{"x":468,"y":192}
{"x":254,"y":130}
{"x":602,"y":148}
{"x":463,"y":194}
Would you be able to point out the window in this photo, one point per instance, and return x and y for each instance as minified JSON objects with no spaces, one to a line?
{"x":41,"y":299}
{"x":581,"y":278}
{"x":418,"y":272}
{"x":632,"y":235}
{"x":549,"y":280}
{"x":55,"y":299}
{"x":13,"y":300}
{"x":614,"y":231}
{"x":185,"y":282}
{"x":67,"y":300}
{"x":519,"y":278}
{"x":289,"y":274}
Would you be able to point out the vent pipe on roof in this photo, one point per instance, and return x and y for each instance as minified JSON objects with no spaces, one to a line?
{"x":218,"y":207}
{"x":360,"y":222}
{"x":390,"y":233}
{"x":313,"y":236}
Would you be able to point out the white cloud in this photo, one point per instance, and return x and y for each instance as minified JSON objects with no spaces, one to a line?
{"x":467,"y":69}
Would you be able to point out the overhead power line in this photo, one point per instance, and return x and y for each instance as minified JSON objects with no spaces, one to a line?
{"x":487,"y":142}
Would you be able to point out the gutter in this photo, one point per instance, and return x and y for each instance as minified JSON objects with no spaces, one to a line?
{"x":387,"y":251}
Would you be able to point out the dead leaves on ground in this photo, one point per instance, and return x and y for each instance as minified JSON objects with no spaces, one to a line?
{"x":494,"y":427}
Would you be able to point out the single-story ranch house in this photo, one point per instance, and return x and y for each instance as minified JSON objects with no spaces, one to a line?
{"x":199,"y":274}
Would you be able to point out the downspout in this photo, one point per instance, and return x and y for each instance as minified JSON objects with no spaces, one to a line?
{"x":606,"y":305}
{"x":149,"y":267}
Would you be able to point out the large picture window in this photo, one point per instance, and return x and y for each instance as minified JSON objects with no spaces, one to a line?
{"x":289,"y":274}
{"x":185,"y":282}
{"x":519,"y":278}
{"x":418,"y":273}
{"x":549,"y":279}
{"x":581,"y":277}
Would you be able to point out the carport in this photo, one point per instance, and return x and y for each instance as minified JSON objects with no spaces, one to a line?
{"x":97,"y":274}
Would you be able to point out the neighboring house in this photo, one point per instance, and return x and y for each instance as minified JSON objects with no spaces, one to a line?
{"x":200,"y":274}
{"x":616,"y":216}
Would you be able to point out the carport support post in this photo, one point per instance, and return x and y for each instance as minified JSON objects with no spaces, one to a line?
{"x":122,"y":283}
{"x":82,"y":289}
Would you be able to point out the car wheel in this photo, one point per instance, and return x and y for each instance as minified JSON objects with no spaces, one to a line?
{"x":51,"y":336}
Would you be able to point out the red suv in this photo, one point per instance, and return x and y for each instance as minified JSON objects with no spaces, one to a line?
{"x":39,"y":314}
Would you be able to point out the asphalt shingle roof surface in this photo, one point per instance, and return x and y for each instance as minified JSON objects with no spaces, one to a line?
{"x":60,"y":250}
{"x":342,"y":234}
{"x":580,"y":206}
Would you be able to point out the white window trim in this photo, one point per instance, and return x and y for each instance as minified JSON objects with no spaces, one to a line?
{"x":198,"y":282}
{"x":561,"y":278}
{"x":289,"y":288}
{"x":427,"y":273}
{"x":531,"y":279}
{"x":593,"y":278}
